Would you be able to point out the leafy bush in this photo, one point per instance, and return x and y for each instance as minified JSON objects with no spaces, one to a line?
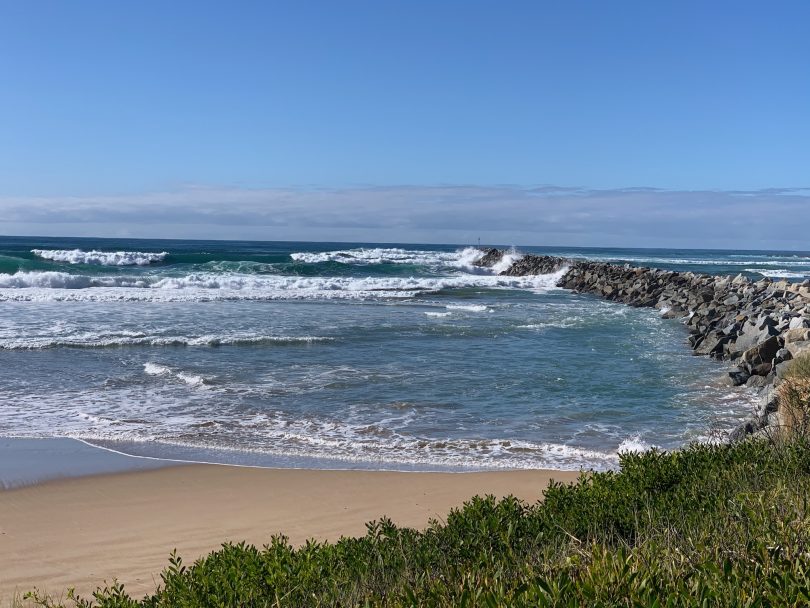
{"x":709,"y":525}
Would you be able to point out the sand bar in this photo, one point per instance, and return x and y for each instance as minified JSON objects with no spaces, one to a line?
{"x":82,"y":531}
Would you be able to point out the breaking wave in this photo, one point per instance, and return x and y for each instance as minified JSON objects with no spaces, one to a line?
{"x":392,"y":255}
{"x":100,"y":258}
{"x":61,"y":286}
{"x":780,"y":273}
{"x":131,"y":338}
{"x":283,"y":435}
{"x":468,"y":307}
{"x":665,"y":261}
{"x":155,"y":369}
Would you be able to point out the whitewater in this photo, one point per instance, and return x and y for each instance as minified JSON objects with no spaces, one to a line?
{"x":327,"y":355}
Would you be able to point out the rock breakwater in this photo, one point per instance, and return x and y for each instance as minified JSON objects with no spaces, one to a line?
{"x":758,"y":325}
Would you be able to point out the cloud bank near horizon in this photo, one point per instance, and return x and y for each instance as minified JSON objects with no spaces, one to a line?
{"x":777,"y":218}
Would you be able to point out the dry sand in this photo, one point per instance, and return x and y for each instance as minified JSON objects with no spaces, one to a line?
{"x":81,"y":532}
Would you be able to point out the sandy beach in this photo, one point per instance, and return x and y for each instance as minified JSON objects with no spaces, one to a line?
{"x":82,"y":531}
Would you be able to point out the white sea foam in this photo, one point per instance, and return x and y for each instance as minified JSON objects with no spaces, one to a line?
{"x":565,"y":323}
{"x":151,"y":412}
{"x":129,"y":338}
{"x":506,"y":261}
{"x":153,"y":369}
{"x":279,"y":434}
{"x":61,"y":286}
{"x":438,"y":314}
{"x":468,"y":307}
{"x":634,"y":444}
{"x":194,"y":380}
{"x":698,"y":262}
{"x":101,"y":258}
{"x":780,"y":273}
{"x":392,"y":255}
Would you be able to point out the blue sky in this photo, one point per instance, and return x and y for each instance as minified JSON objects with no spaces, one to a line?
{"x":203,"y":104}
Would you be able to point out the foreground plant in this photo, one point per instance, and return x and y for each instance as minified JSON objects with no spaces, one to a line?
{"x":793,"y":395}
{"x":710,"y":525}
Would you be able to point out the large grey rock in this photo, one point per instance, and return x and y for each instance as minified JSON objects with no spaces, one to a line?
{"x":711,"y":344}
{"x":750,"y":338}
{"x":796,"y":335}
{"x":799,"y":323}
{"x":758,"y":381}
{"x":749,"y":427}
{"x":736,"y":377}
{"x":783,"y":354}
{"x":799,"y":349}
{"x":761,"y":369}
{"x":782,"y":368}
{"x":490,"y":258}
{"x":763,"y":353}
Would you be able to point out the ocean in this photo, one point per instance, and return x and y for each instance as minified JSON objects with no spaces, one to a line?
{"x":336,"y":355}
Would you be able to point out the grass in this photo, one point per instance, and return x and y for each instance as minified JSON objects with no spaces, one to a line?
{"x":709,"y":525}
{"x":794,"y":398}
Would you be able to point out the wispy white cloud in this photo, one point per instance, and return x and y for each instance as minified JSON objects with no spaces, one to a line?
{"x":773,"y":218}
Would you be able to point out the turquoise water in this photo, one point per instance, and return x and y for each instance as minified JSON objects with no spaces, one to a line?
{"x":350,"y":356}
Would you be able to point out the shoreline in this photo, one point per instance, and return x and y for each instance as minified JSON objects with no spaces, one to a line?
{"x":32,"y":461}
{"x":119,"y":515}
{"x":29,"y":461}
{"x":84,"y":531}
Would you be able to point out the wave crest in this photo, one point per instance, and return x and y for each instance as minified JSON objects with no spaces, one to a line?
{"x":62,"y":286}
{"x":125,"y":338}
{"x":392,"y":255}
{"x":100,"y":258}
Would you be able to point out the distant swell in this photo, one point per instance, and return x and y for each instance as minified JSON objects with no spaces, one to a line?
{"x":100,"y":258}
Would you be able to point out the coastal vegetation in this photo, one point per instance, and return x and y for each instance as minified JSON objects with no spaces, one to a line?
{"x":708,"y":525}
{"x":793,"y":397}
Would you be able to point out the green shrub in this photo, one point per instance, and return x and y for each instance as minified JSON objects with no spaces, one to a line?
{"x":709,"y":525}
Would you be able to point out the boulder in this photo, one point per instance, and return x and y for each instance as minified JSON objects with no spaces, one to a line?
{"x":749,"y":427}
{"x":758,"y":381}
{"x":736,"y":377}
{"x":490,"y":258}
{"x":761,"y":369}
{"x":782,"y":368}
{"x":763,"y":352}
{"x":782,"y":354}
{"x":711,"y":344}
{"x":750,"y":338}
{"x":799,"y":323}
{"x":799,"y":349}
{"x":796,"y":335}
